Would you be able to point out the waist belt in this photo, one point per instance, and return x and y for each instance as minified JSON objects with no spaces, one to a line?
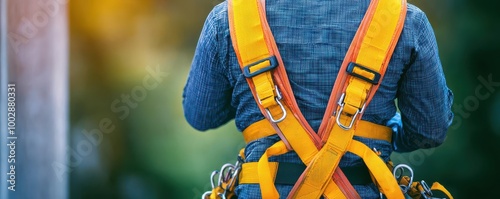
{"x":288,"y":173}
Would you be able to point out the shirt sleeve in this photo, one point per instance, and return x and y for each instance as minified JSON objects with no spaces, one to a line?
{"x":207,"y":93}
{"x":424,"y":99}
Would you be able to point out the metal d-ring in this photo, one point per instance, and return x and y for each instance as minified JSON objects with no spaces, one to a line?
{"x":341,"y":104}
{"x":283,"y":110}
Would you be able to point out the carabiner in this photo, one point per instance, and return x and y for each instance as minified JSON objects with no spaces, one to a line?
{"x":212,"y":178}
{"x":206,"y":194}
{"x":401,"y":168}
{"x":225,"y":176}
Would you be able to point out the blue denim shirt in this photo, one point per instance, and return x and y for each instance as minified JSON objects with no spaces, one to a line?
{"x":313,"y":37}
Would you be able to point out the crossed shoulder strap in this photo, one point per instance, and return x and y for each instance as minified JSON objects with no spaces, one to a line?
{"x":360,"y":75}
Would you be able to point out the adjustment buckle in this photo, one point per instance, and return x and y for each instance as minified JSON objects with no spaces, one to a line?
{"x":341,"y":104}
{"x":273,"y":64}
{"x":376,"y":75}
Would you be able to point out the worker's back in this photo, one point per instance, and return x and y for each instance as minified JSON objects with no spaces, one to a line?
{"x":313,"y":38}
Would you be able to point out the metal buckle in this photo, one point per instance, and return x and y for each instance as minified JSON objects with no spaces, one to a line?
{"x":283,"y":110}
{"x":341,"y":104}
{"x":401,"y":168}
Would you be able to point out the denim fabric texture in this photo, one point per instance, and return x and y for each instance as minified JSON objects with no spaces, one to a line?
{"x":313,"y":37}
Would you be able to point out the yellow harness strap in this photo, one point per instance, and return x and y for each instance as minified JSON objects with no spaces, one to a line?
{"x":383,"y":25}
{"x":263,"y":128}
{"x":258,"y":61}
{"x":365,"y":62}
{"x":438,"y":187}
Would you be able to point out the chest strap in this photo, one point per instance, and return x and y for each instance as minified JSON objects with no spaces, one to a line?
{"x":365,"y":129}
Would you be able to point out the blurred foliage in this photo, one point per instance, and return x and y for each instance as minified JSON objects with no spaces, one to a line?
{"x":154,"y":153}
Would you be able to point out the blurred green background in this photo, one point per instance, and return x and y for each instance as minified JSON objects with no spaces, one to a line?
{"x":153,"y":153}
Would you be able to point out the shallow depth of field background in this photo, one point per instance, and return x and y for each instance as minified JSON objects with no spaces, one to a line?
{"x":153,"y":153}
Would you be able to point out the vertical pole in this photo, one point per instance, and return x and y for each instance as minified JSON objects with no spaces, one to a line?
{"x":3,"y":96}
{"x":35,"y":59}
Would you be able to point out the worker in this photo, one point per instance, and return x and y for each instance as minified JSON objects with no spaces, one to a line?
{"x":313,"y":38}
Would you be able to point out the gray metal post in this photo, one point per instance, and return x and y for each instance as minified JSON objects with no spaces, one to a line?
{"x":34,"y":52}
{"x":3,"y":96}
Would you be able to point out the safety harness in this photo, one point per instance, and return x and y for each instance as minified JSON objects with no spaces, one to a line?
{"x":360,"y":75}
